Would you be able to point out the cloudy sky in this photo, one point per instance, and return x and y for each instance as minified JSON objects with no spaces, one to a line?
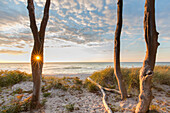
{"x":81,"y":30}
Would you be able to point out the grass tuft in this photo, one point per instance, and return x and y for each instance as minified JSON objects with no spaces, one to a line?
{"x":69,"y":107}
{"x":9,"y":78}
{"x":46,"y":94}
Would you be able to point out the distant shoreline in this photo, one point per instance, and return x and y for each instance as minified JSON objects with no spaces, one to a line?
{"x":68,"y":62}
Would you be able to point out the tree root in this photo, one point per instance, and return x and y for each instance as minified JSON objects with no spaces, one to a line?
{"x":104,"y":94}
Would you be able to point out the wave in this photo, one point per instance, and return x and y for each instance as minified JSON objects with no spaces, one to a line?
{"x":72,"y":68}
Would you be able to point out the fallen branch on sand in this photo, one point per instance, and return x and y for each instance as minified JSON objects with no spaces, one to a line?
{"x":104,"y":94}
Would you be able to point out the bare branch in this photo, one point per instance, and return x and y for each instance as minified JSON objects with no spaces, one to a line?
{"x":104,"y":95}
{"x":44,"y":20}
{"x":33,"y":25}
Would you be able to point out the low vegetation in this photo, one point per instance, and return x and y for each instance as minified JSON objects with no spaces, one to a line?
{"x":9,"y":78}
{"x":106,"y":79}
{"x":16,"y":106}
{"x":64,"y":83}
{"x":162,"y":75}
{"x":46,"y":94}
{"x":69,"y":107}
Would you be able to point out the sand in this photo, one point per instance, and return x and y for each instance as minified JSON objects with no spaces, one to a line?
{"x":87,"y":102}
{"x":82,"y":76}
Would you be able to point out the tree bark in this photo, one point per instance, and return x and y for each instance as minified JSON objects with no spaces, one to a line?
{"x":146,"y":72}
{"x":117,"y":71}
{"x":38,"y":47}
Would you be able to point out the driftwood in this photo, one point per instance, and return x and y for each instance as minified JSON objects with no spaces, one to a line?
{"x":104,"y":94}
{"x":112,"y":90}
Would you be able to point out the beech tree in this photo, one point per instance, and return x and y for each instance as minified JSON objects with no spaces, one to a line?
{"x":37,"y":52}
{"x":117,"y":70}
{"x":146,"y":72}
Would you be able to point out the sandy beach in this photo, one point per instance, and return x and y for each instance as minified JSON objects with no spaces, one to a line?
{"x":85,"y":101}
{"x":82,"y":76}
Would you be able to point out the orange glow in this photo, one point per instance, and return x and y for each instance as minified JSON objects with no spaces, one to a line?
{"x":37,"y":57}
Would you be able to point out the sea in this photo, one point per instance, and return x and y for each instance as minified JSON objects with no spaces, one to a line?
{"x":71,"y":68}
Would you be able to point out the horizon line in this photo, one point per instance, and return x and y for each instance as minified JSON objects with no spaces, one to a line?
{"x":81,"y":62}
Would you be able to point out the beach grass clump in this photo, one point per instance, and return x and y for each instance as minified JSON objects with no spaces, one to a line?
{"x":90,"y":87}
{"x":60,"y":85}
{"x":162,"y":75}
{"x":131,"y":78}
{"x":9,"y":78}
{"x":69,"y":107}
{"x":16,"y":106}
{"x":106,"y":78}
{"x":46,"y":94}
{"x":77,"y":81}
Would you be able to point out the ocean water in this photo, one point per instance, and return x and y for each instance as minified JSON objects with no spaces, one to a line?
{"x":71,"y":68}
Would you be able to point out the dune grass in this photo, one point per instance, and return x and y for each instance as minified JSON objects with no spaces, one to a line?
{"x":9,"y":78}
{"x":162,"y":75}
{"x":106,"y":78}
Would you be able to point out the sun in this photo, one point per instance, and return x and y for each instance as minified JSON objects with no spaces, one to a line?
{"x":37,"y":57}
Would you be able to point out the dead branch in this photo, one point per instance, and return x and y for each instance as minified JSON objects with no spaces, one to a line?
{"x":104,"y":94}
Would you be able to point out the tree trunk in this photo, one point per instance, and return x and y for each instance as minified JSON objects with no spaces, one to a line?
{"x":146,"y":72}
{"x":37,"y":64}
{"x":117,"y":71}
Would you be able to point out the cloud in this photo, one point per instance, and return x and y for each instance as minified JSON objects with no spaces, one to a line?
{"x":78,"y":21}
{"x":166,"y":38}
{"x":81,"y":22}
{"x":13,"y":52}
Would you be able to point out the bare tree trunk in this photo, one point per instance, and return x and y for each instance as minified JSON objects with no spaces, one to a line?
{"x":146,"y":72}
{"x":37,"y":51}
{"x":117,"y":71}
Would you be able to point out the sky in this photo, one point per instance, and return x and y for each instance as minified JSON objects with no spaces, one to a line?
{"x":81,"y":30}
